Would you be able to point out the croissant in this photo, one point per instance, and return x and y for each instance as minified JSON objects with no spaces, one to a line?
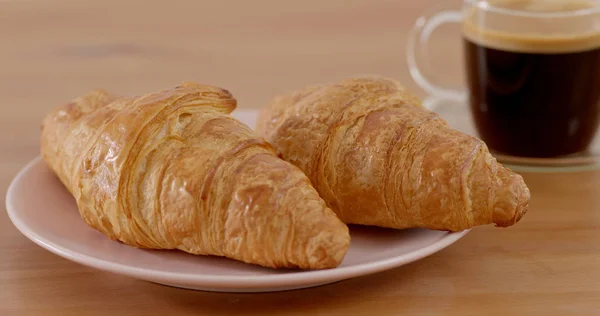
{"x":172,"y":170}
{"x":378,"y":157}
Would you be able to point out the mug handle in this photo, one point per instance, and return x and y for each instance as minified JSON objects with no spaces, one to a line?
{"x":417,"y":47}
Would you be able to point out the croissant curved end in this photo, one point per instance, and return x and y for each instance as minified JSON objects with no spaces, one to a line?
{"x":330,"y":250}
{"x":511,"y":211}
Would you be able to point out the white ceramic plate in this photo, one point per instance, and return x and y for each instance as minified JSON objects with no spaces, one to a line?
{"x":42,"y":209}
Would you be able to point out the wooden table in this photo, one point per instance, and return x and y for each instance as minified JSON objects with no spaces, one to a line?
{"x":51,"y":51}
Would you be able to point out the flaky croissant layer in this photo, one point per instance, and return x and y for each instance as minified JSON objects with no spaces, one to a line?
{"x":172,"y":170}
{"x":378,"y":157}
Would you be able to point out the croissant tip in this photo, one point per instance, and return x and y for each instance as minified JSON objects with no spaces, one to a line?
{"x":333,"y":256}
{"x":521,"y":207}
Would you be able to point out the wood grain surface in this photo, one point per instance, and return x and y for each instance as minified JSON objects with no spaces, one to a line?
{"x":51,"y":51}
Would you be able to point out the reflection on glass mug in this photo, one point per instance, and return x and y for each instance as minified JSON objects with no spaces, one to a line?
{"x":532,"y":70}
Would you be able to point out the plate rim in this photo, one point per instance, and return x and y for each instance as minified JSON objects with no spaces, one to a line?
{"x":296,"y":277}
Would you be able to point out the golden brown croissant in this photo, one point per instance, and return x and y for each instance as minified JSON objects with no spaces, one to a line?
{"x":172,"y":170}
{"x":378,"y":157}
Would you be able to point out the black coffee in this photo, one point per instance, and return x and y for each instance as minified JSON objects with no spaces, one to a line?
{"x":534,"y":104}
{"x":534,"y":81}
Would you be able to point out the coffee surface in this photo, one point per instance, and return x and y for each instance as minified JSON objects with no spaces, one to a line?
{"x":534,"y":25}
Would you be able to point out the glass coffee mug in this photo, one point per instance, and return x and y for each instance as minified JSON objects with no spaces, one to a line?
{"x":532,"y":74}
